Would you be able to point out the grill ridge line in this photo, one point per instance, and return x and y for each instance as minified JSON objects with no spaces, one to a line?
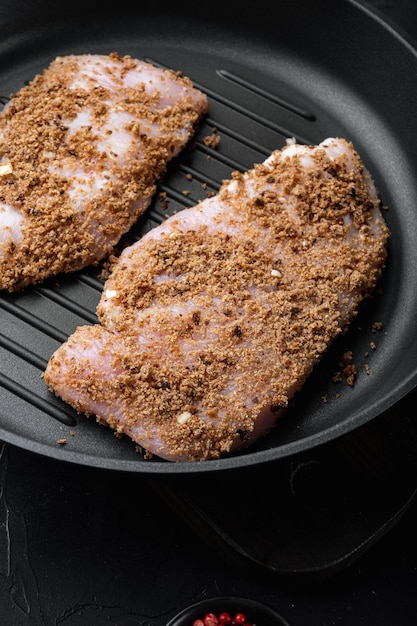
{"x":33,"y":320}
{"x":22,"y":352}
{"x":40,"y":403}
{"x":68,"y":304}
{"x":215,"y":96}
{"x":234,"y":78}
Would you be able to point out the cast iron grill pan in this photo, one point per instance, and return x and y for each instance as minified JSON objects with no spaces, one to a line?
{"x":318,"y":71}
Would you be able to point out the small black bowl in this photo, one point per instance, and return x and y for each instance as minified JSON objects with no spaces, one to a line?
{"x":256,"y":613}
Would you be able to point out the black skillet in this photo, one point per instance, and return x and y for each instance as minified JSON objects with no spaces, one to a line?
{"x":308,"y":70}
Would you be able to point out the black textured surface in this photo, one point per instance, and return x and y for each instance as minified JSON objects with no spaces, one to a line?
{"x":86,"y":546}
{"x":307,"y":518}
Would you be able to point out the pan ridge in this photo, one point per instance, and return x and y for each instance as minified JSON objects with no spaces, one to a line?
{"x":22,"y":352}
{"x":44,"y":405}
{"x":250,"y":86}
{"x":230,"y":103}
{"x":33,"y":320}
{"x":72,"y":305}
{"x":243,"y":139}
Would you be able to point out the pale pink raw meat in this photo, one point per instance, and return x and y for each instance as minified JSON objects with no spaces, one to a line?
{"x":81,"y":148}
{"x":213,"y":320}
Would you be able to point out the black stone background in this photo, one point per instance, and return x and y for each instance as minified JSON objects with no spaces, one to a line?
{"x":87,"y":547}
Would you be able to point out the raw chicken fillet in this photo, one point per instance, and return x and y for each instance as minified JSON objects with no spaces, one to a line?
{"x":81,"y":148}
{"x":213,"y":320}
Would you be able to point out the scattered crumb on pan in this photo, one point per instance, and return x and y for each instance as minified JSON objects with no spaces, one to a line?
{"x":212,"y":141}
{"x":347,"y":369}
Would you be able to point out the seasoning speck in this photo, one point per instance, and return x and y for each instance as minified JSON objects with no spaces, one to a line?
{"x":6,"y":168}
{"x":183,"y":417}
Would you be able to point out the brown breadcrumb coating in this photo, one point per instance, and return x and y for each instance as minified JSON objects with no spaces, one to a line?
{"x":271,"y":297}
{"x":56,"y":238}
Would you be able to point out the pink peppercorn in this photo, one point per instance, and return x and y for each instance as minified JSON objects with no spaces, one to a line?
{"x":224,"y":619}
